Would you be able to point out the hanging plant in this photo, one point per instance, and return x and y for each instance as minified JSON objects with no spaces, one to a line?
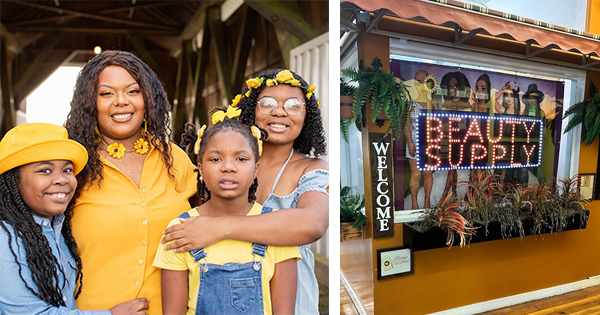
{"x":386,"y":93}
{"x":586,"y":113}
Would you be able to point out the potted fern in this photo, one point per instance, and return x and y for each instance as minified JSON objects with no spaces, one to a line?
{"x":352,"y":218}
{"x":385,"y":93}
{"x":586,"y":113}
{"x":346,"y":99}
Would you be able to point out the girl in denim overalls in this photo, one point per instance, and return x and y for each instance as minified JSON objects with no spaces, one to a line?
{"x":292,"y":178}
{"x":229,"y":277}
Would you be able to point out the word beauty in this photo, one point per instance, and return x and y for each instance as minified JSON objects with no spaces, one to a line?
{"x":457,"y":140}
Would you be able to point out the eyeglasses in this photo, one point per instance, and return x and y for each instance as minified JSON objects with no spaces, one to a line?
{"x":292,"y":106}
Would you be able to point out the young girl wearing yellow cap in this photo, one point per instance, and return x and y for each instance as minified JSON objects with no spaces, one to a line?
{"x":38,"y":255}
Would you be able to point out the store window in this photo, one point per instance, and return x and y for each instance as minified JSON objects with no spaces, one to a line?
{"x":474,"y":115}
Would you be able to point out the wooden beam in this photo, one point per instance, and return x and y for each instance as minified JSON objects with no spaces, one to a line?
{"x":179,"y":106}
{"x":221,"y":52}
{"x":287,"y":42}
{"x":97,"y":16}
{"x":200,"y":109}
{"x":242,"y":49}
{"x":72,"y":16}
{"x":283,"y":18}
{"x":91,"y":30}
{"x":147,"y":57}
{"x":52,"y":41}
{"x":12,"y":43}
{"x":9,"y":117}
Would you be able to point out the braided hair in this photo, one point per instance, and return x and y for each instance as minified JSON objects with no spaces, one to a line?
{"x":81,"y":122}
{"x":15,"y":214}
{"x":189,"y":137}
{"x":312,"y":137}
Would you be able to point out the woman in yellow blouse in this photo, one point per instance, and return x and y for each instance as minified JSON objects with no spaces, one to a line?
{"x":134,"y":183}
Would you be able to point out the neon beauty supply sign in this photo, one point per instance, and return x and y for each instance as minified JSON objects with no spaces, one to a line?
{"x":458,"y":140}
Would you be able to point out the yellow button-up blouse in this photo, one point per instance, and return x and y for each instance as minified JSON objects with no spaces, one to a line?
{"x":118,"y":226}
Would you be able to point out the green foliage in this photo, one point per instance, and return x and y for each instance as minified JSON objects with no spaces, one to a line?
{"x":586,"y":113}
{"x":549,"y":209}
{"x":385,"y":92}
{"x":350,"y":207}
{"x":346,"y":89}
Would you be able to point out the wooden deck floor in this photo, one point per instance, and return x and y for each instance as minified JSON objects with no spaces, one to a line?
{"x":581,"y":302}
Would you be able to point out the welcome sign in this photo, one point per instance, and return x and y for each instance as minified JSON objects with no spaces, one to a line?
{"x":459,"y":140}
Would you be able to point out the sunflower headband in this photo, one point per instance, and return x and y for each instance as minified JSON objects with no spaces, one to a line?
{"x":283,"y":77}
{"x":220,"y":116}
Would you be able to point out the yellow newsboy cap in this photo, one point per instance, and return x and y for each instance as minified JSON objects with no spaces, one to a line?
{"x":35,"y":142}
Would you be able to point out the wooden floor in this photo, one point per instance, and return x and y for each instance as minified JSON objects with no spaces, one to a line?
{"x":581,"y":302}
{"x":346,"y":305}
{"x":585,"y":301}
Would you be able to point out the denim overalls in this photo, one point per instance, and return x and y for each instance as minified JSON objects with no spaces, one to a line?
{"x":307,"y":293}
{"x":232,"y":288}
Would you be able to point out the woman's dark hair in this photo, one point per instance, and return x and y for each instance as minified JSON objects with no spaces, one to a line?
{"x":81,"y":122}
{"x":485,"y":78}
{"x":312,"y":137}
{"x":42,"y":263}
{"x":516,"y":100}
{"x":189,"y":137}
{"x":462,"y":81}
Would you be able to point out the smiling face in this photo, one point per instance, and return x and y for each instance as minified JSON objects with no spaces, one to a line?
{"x":282,"y":127}
{"x":47,"y":187}
{"x":228,"y":165}
{"x":453,"y":87}
{"x":120,"y":104}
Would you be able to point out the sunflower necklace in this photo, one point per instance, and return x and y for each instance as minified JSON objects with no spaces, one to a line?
{"x":117,"y":150}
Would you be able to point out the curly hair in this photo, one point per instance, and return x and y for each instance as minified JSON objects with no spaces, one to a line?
{"x":312,"y":137}
{"x":82,"y":123}
{"x":42,"y":263}
{"x":188,"y":140}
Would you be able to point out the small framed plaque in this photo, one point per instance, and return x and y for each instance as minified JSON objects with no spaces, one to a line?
{"x":587,"y":185}
{"x":394,"y":262}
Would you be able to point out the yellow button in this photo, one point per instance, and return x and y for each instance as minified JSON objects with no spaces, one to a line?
{"x":143,"y":204}
{"x":145,"y":222}
{"x":143,"y":242}
{"x":141,"y":261}
{"x":138,"y":283}
{"x":144,"y":190}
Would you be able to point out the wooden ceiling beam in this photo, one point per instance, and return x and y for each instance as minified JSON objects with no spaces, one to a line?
{"x":146,"y":56}
{"x":179,"y":111}
{"x":9,"y":117}
{"x":52,"y":41}
{"x":91,"y":30}
{"x":213,"y":15}
{"x":97,"y":16}
{"x":200,"y":111}
{"x":12,"y":43}
{"x":106,"y":11}
{"x":242,"y":49}
{"x":279,"y":15}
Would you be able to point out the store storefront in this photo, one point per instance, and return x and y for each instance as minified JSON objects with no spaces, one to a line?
{"x":488,"y":96}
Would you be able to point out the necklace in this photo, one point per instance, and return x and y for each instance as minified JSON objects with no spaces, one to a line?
{"x":118,"y":150}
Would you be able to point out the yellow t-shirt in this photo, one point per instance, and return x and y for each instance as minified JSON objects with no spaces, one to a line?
{"x":221,"y":253}
{"x":118,"y":226}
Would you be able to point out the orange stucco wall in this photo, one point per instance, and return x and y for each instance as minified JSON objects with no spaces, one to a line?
{"x":445,"y":279}
{"x":594,"y":17}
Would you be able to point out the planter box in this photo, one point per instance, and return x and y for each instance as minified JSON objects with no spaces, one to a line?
{"x":436,"y":237}
{"x":347,"y":233}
